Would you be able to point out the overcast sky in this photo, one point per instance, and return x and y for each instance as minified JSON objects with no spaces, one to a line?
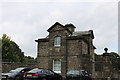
{"x":25,"y":22}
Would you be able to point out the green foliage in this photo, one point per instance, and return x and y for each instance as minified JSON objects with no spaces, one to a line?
{"x":98,"y":65}
{"x":29,"y":59}
{"x":0,"y":43}
{"x":0,"y":48}
{"x":98,"y":57}
{"x":10,"y":50}
{"x":114,"y":57}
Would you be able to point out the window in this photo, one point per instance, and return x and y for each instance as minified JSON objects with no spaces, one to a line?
{"x":57,"y":65}
{"x":57,"y":41}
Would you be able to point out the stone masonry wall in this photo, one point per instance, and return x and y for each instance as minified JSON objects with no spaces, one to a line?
{"x":7,"y":66}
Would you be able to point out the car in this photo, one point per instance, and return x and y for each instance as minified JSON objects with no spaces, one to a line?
{"x":42,"y":74}
{"x":77,"y":75}
{"x":16,"y":74}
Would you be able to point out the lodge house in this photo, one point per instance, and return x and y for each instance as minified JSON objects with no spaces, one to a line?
{"x":65,"y":49}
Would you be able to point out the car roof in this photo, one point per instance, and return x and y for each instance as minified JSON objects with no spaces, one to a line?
{"x":77,"y":70}
{"x":21,"y":67}
{"x":36,"y":70}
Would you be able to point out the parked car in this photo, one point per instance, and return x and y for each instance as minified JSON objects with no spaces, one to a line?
{"x":16,"y":74}
{"x":42,"y":74}
{"x":77,"y":75}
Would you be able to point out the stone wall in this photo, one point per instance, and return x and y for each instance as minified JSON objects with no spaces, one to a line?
{"x":7,"y":66}
{"x":113,"y":76}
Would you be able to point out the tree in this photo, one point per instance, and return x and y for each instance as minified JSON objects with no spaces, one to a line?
{"x":10,"y":50}
{"x":98,"y":61}
{"x":29,"y":59}
{"x":115,"y":58}
{"x":98,"y":57}
{"x":0,"y":48}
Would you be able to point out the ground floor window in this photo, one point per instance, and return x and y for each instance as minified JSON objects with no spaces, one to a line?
{"x":57,"y":65}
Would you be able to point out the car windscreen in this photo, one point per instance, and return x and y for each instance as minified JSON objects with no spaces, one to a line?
{"x":74,"y":72}
{"x":16,"y":70}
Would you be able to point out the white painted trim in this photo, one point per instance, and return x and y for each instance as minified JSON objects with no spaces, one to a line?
{"x":54,"y":68}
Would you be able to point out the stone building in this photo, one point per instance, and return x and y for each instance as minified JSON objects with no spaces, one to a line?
{"x":64,"y":49}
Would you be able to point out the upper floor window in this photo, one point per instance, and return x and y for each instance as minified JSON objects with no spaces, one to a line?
{"x":57,"y":41}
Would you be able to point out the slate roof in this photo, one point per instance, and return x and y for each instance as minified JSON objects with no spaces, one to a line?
{"x":83,"y":33}
{"x":73,"y":35}
{"x":79,"y":33}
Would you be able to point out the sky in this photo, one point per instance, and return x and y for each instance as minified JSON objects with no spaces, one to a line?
{"x":26,"y":21}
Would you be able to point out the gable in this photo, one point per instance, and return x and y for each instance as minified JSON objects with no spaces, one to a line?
{"x":57,"y":27}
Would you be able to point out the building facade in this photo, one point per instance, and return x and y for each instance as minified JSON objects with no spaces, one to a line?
{"x":64,"y":49}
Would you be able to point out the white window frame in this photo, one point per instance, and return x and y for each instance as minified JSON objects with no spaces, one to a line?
{"x":57,"y":41}
{"x":57,"y":65}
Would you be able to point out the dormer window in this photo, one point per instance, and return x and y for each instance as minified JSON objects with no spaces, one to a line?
{"x":57,"y":41}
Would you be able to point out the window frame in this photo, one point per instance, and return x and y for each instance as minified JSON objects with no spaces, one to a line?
{"x":57,"y":66}
{"x":57,"y":41}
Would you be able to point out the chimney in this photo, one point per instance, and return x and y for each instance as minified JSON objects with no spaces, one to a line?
{"x":70,"y":27}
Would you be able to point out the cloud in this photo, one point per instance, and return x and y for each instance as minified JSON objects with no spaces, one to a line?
{"x":27,"y":21}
